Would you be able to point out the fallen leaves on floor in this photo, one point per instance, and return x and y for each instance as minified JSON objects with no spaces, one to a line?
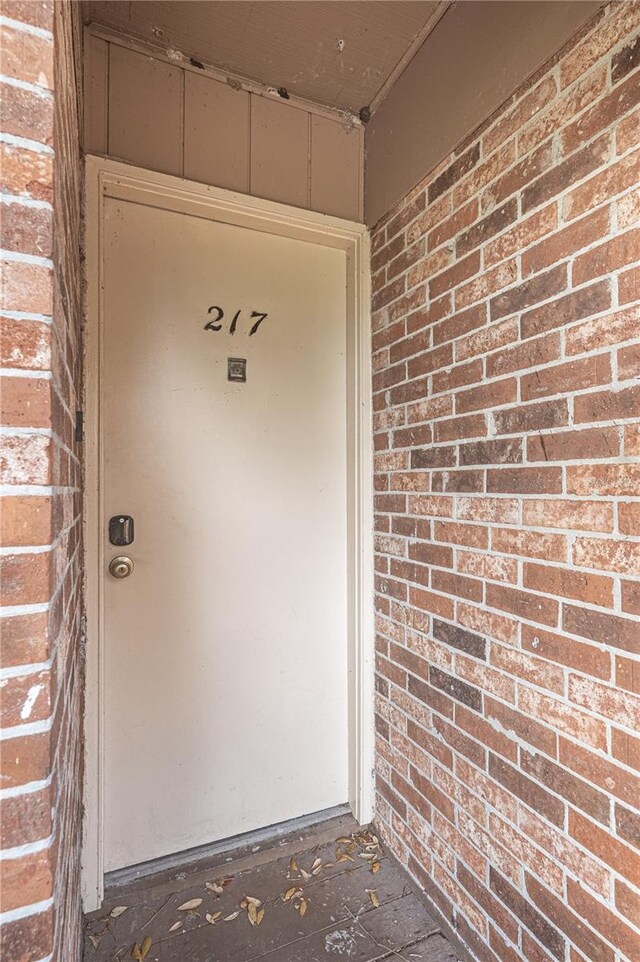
{"x":140,"y":952}
{"x":361,"y":845}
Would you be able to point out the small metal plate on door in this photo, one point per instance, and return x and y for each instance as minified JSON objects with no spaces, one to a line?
{"x":236,"y":369}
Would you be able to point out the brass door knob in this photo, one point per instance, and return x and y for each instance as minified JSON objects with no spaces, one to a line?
{"x":121,"y":567}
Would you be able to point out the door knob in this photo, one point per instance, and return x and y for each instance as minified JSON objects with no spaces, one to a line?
{"x":121,"y":567}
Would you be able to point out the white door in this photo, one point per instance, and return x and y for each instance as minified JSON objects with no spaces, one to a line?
{"x":225,"y":650}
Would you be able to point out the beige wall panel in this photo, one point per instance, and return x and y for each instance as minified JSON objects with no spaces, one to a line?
{"x":336,"y":157}
{"x":145,"y":110}
{"x":96,"y":81}
{"x":216,"y":133}
{"x":279,"y":152}
{"x":474,"y":59}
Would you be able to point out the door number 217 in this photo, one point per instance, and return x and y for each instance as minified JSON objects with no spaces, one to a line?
{"x":213,"y":324}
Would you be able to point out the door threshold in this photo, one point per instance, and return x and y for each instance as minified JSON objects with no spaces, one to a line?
{"x":244,"y":851}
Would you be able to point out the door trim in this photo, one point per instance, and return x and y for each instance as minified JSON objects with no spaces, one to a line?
{"x":110,"y":178}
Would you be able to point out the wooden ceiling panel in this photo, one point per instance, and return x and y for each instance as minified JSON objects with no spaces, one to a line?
{"x":336,"y":53}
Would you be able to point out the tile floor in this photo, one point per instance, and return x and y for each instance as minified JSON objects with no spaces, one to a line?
{"x":327,"y":892}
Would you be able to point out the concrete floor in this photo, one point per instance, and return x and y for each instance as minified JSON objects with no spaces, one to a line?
{"x":326,"y":892}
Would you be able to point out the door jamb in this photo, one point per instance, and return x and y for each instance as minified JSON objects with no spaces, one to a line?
{"x":110,"y":178}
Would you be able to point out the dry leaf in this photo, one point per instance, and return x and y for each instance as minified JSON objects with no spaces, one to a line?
{"x":212,"y":919}
{"x":95,"y":941}
{"x":303,"y":907}
{"x":252,"y":912}
{"x":290,"y":893}
{"x":306,"y":876}
{"x":253,"y":901}
{"x":259,"y":916}
{"x":343,"y":840}
{"x":146,"y":945}
{"x":373,"y":896}
{"x":118,"y":911}
{"x":317,"y":863}
{"x":136,"y":953}
{"x":293,"y":865}
{"x":375,"y":867}
{"x":343,"y":857}
{"x":214,"y":887}
{"x":190,"y":905}
{"x":176,"y":925}
{"x":368,"y":855}
{"x":230,"y":918}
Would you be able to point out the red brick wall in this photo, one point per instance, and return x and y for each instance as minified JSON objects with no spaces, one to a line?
{"x":40,"y":710}
{"x":507,"y":431}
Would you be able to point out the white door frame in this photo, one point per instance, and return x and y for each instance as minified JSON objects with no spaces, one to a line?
{"x":109,"y":178}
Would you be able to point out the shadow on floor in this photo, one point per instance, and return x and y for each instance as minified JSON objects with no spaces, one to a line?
{"x":327,"y":893}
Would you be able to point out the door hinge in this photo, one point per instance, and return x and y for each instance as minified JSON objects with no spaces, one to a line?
{"x":79,"y":432}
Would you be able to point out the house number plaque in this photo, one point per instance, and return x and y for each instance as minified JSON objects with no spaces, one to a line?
{"x":216,"y":315}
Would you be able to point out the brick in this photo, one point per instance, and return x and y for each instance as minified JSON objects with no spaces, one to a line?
{"x":26,"y":287}
{"x":454,"y":172}
{"x":628,"y":133}
{"x":575,"y":790}
{"x":563,"y":109}
{"x":554,"y":909}
{"x":601,"y":918}
{"x":611,"y":329}
{"x":25,"y":880}
{"x":27,"y":113}
{"x":486,"y":284}
{"x":527,"y":913}
{"x":25,"y":230}
{"x":531,"y":544}
{"x":562,"y":717}
{"x":598,"y":42}
{"x":571,"y":307}
{"x":533,"y":353}
{"x":470,"y":535}
{"x":452,"y":226}
{"x":601,"y":627}
{"x":599,"y":189}
{"x":594,"y":589}
{"x":629,"y":518}
{"x":491,"y":452}
{"x":608,"y":555}
{"x":489,"y":567}
{"x":627,"y":824}
{"x":581,"y":515}
{"x":584,"y":658}
{"x":622,"y":98}
{"x":487,"y":339}
{"x":610,"y":256}
{"x":624,"y":859}
{"x":599,"y":771}
{"x":25,"y":521}
{"x":523,"y":726}
{"x":504,"y":510}
{"x":494,"y":223}
{"x":531,"y":292}
{"x":627,"y":902}
{"x":587,"y":444}
{"x":489,"y":395}
{"x":613,"y":480}
{"x":564,"y":244}
{"x":451,"y":278}
{"x":525,"y":480}
{"x":607,"y":405}
{"x":25,"y":344}
{"x":519,"y":115}
{"x":26,"y":818}
{"x":564,"y":378}
{"x":24,"y":640}
{"x":26,"y":578}
{"x":518,"y":176}
{"x":25,"y":402}
{"x":619,"y":706}
{"x":456,"y":637}
{"x":571,"y":170}
{"x":523,"y":604}
{"x":531,"y":417}
{"x":524,"y":232}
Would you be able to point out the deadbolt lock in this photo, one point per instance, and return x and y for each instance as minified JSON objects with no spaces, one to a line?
{"x":121,"y":567}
